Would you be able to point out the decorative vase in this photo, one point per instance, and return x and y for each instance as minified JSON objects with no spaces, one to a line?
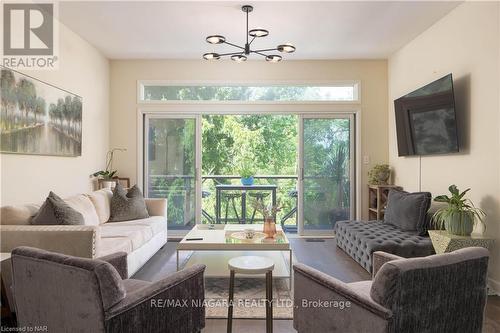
{"x":109,"y":184}
{"x":460,"y":223}
{"x":270,"y":227}
{"x":247,"y":181}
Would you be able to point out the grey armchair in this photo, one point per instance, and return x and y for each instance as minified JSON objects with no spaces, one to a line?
{"x":72,"y":294}
{"x":439,"y":293}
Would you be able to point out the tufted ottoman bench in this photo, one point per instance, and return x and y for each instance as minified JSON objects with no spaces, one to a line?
{"x":360,"y":239}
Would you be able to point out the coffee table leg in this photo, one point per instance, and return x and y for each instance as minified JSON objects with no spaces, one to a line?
{"x":290,"y":268}
{"x":269,"y":302}
{"x":230,"y":305}
{"x":177,"y":260}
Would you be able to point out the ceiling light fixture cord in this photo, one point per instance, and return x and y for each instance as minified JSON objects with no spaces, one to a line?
{"x":242,"y":55}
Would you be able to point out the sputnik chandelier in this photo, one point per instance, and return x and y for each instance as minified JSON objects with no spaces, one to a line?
{"x":246,"y":50}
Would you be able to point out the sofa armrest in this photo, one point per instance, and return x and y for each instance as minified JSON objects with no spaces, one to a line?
{"x":119,"y":261}
{"x":156,"y":207}
{"x":75,"y":240}
{"x":325,"y":304}
{"x":379,"y":258}
{"x":164,"y":306}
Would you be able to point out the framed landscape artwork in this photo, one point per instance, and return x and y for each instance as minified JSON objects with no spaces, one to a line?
{"x":37,"y":118}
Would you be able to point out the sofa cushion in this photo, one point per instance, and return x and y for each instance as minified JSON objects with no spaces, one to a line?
{"x":138,"y":235}
{"x":55,"y":211}
{"x":407,"y":211}
{"x":362,"y":287}
{"x":102,"y":203}
{"x":157,"y":224}
{"x":127,"y":205}
{"x":110,"y":245}
{"x":82,"y":204}
{"x":360,"y":239}
{"x":17,"y":215}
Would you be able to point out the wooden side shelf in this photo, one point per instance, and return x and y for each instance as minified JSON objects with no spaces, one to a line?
{"x":377,"y":200}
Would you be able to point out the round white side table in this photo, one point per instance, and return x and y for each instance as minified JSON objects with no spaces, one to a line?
{"x":251,"y":265}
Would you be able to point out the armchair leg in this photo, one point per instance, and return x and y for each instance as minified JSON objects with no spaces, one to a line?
{"x":269,"y":302}
{"x":230,"y":305}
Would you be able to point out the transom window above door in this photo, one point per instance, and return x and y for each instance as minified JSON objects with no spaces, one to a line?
{"x":164,"y":92}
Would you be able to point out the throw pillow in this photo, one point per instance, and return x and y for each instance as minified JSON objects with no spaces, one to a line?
{"x":407,"y":211}
{"x":127,"y":205}
{"x":55,"y":211}
{"x":102,"y":202}
{"x":81,"y":203}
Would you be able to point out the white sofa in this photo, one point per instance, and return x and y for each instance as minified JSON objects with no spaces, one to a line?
{"x":141,"y":239}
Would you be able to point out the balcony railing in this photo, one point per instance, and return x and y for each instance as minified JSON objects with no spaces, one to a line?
{"x":180,"y":190}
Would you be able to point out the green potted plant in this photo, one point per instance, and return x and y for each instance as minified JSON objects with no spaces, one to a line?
{"x":246,"y":173}
{"x":459,"y":215}
{"x":379,"y":174}
{"x":106,"y":176}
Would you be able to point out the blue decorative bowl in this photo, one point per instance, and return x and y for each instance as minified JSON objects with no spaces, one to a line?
{"x":248,"y":181}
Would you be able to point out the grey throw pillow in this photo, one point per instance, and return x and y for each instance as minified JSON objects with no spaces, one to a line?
{"x":127,"y":205}
{"x":407,"y":211}
{"x":55,"y":211}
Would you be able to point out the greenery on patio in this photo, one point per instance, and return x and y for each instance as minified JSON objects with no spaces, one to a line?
{"x":268,"y":145}
{"x":265,"y":143}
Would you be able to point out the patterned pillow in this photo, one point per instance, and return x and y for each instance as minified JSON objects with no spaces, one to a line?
{"x":127,"y":206}
{"x":56,"y":211}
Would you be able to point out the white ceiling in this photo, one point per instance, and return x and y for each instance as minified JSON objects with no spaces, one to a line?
{"x":319,"y":30}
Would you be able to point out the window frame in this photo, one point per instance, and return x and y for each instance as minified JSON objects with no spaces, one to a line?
{"x":191,"y":109}
{"x":329,"y":83}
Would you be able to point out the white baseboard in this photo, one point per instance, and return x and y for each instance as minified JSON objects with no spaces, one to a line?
{"x":494,"y":287}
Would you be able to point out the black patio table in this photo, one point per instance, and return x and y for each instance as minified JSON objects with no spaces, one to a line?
{"x":243,"y":189}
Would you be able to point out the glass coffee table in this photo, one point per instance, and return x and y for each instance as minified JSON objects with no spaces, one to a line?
{"x":214,"y":244}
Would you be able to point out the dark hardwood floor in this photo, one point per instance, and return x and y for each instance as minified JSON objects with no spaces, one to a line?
{"x":323,"y":255}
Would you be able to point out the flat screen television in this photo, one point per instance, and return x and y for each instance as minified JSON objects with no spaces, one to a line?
{"x":426,"y":120}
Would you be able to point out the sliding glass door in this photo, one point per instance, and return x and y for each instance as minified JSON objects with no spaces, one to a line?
{"x":170,"y":166}
{"x":326,"y":186}
{"x":325,"y":155}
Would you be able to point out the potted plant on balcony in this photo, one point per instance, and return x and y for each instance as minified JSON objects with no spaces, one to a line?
{"x":246,"y":173}
{"x":459,"y":215}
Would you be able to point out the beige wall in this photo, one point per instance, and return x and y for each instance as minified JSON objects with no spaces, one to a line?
{"x":84,"y":71}
{"x":124,"y":76}
{"x":465,"y":43}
